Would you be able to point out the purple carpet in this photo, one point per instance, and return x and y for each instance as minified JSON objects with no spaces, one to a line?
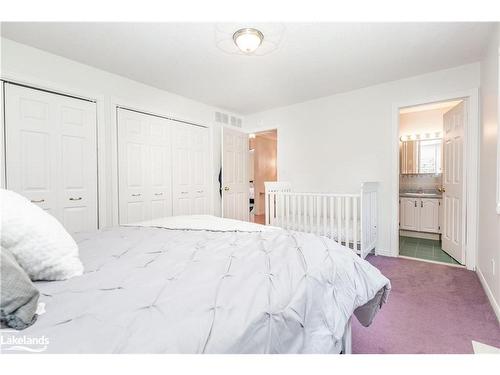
{"x":431,"y":309}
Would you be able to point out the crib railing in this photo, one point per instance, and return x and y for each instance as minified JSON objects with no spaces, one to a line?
{"x":349,"y":219}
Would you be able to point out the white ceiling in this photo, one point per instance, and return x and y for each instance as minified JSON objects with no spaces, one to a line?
{"x":430,"y":106}
{"x":312,"y":60}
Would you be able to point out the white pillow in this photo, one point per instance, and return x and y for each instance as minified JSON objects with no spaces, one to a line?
{"x":40,"y":244}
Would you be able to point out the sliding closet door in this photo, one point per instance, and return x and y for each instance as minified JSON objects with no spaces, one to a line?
{"x":144,"y":166}
{"x":51,"y":155}
{"x":190,"y":170}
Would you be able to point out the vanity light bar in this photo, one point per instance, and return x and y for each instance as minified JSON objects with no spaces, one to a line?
{"x":415,"y":137}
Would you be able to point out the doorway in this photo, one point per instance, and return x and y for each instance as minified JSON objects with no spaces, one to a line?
{"x":263,"y":167}
{"x":432,"y":199}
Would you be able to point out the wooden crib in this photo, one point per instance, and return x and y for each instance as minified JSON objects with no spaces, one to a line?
{"x":349,"y":219}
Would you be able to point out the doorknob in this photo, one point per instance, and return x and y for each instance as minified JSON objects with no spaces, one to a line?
{"x":226,"y":188}
{"x":75,"y":199}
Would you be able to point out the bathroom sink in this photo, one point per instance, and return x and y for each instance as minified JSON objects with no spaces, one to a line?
{"x":420,"y":195}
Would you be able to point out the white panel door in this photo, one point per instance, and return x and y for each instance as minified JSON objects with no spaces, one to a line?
{"x":78,"y":198}
{"x":453,"y":196}
{"x":144,"y":166}
{"x":429,"y":215}
{"x":199,"y":170}
{"x":51,"y":154}
{"x":409,"y":214}
{"x":182,"y":174}
{"x":190,"y":150}
{"x":235,"y":164}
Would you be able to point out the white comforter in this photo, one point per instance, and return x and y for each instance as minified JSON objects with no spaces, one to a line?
{"x":153,"y":290}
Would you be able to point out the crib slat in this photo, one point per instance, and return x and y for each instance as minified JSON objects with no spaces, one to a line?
{"x":323,"y":200}
{"x":299,"y":213}
{"x":281,"y":209}
{"x":316,"y":201}
{"x":287,"y":212}
{"x":339,"y":220}
{"x":347,"y":218}
{"x":271,"y":208}
{"x":311,"y":213}
{"x":331,"y":216}
{"x":355,"y":224}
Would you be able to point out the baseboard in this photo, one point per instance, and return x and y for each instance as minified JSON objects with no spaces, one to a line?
{"x":489,"y":294}
{"x":429,"y":236}
{"x":385,"y":253}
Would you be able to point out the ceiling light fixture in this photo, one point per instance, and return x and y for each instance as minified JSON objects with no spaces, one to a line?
{"x":257,"y":40}
{"x":248,"y":39}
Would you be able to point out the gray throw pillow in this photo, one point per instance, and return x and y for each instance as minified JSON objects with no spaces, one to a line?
{"x":18,"y":295}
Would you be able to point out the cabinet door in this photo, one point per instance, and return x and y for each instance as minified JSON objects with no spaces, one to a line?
{"x":429,"y":215}
{"x":409,"y":213}
{"x":51,"y":155}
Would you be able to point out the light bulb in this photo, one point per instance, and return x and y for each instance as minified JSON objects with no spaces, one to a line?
{"x":248,"y":40}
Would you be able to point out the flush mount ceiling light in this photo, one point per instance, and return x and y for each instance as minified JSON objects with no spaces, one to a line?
{"x":248,"y":39}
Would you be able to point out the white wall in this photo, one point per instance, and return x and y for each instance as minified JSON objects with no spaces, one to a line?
{"x":489,"y":220}
{"x":35,"y":66}
{"x":335,"y":143}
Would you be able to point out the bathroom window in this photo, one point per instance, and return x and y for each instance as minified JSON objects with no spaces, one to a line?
{"x":430,"y":156}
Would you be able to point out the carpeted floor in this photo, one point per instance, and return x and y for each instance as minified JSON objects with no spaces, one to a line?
{"x":432,"y":308}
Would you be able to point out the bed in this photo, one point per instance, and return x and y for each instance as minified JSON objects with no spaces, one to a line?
{"x":202,"y":284}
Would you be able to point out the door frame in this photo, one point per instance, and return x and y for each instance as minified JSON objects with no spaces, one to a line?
{"x":266,"y":129}
{"x":116,"y":103}
{"x":56,"y":88}
{"x":471,"y":171}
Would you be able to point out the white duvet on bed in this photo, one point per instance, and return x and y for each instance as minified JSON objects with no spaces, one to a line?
{"x":152,"y":290}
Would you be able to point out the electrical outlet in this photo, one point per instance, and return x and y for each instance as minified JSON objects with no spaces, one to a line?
{"x":493,"y":266}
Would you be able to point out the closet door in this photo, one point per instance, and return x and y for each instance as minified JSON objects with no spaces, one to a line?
{"x":144,"y":166}
{"x":51,"y":155}
{"x":182,"y":192}
{"x":190,"y":170}
{"x":199,"y":170}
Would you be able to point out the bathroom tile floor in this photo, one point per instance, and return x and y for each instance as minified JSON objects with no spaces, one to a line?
{"x":423,"y":248}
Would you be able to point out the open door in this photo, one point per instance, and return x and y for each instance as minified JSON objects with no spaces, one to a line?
{"x":235,"y":184}
{"x":453,"y":187}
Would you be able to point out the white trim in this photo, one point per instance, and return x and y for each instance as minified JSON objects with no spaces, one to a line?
{"x":116,"y":102}
{"x":498,"y":138}
{"x":471,"y":160}
{"x":2,"y":132}
{"x":489,"y":294}
{"x":99,"y":99}
{"x":383,"y":252}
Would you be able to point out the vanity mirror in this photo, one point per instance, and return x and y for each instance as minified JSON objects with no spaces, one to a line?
{"x":420,"y":156}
